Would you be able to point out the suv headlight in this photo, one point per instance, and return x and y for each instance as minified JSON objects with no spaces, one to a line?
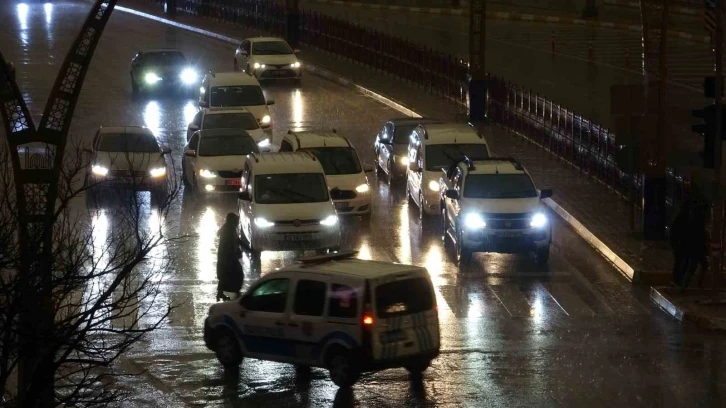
{"x":99,"y":170}
{"x":263,"y":223}
{"x":329,"y":221}
{"x":206,"y":173}
{"x":266,"y":120}
{"x":264,"y":143}
{"x":403,"y":160}
{"x":295,"y":65}
{"x":539,"y":220}
{"x":151,"y":78}
{"x":474,"y":221}
{"x":257,"y":65}
{"x":158,"y":171}
{"x":188,"y":76}
{"x":434,"y":185}
{"x":362,"y":188}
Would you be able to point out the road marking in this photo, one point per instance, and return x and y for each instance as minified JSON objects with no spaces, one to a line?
{"x":512,"y":299}
{"x":568,"y":300}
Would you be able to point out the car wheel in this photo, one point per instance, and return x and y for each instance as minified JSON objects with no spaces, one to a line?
{"x":444,"y":223}
{"x":236,"y":65}
{"x":542,"y":255}
{"x":134,"y":87}
{"x":227,"y":349}
{"x":185,"y":179}
{"x":418,"y":367}
{"x":389,"y":165}
{"x":342,"y":369}
{"x":463,"y":255}
{"x":421,"y":212}
{"x":298,"y":81}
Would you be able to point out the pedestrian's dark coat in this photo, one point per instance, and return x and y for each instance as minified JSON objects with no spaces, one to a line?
{"x":229,"y":270}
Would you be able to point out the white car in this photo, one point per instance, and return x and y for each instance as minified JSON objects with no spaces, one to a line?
{"x":128,"y":157}
{"x":236,"y":89}
{"x":268,"y":58}
{"x":229,"y":118}
{"x":213,"y":160}
{"x":433,"y":147}
{"x":492,"y":205}
{"x":284,"y":204}
{"x":344,"y":173}
{"x":343,"y":314}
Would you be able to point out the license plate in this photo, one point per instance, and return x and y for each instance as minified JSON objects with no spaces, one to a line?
{"x":341,"y":206}
{"x":232,"y":182}
{"x":279,"y":72}
{"x":508,"y":234}
{"x":297,"y":237}
{"x":393,"y":336}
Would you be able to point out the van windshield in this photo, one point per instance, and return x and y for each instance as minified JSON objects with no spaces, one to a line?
{"x":442,"y":156}
{"x":404,"y":297}
{"x":290,"y":188}
{"x":243,"y":95}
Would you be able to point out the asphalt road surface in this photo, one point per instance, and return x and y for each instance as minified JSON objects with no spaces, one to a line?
{"x":573,"y":334}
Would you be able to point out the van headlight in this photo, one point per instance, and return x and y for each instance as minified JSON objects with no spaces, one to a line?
{"x":434,"y":185}
{"x":151,"y":78}
{"x":363,"y":188}
{"x":263,"y":144}
{"x":206,"y":173}
{"x":539,"y":220}
{"x":99,"y":170}
{"x":263,"y":223}
{"x":329,"y":221}
{"x":266,"y":120}
{"x":404,"y":161}
{"x":474,"y":221}
{"x":157,"y":172}
{"x":295,"y":65}
{"x":188,"y":76}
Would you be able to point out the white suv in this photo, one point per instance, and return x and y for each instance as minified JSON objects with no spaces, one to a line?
{"x":284,"y":204}
{"x":268,"y":58}
{"x":346,"y":177}
{"x":229,"y":118}
{"x":236,"y":89}
{"x":492,"y":205}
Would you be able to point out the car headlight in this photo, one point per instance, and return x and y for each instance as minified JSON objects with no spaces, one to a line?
{"x":295,"y":65}
{"x":257,"y":65}
{"x":151,"y":78}
{"x":263,"y":223}
{"x":539,"y":220}
{"x":434,"y":185}
{"x":329,"y":221}
{"x":206,"y":173}
{"x":202,"y":90}
{"x":266,"y":119}
{"x":363,"y":188}
{"x":99,"y":170}
{"x":158,"y":171}
{"x":188,"y":76}
{"x":264,"y":143}
{"x":404,"y":160}
{"x":474,"y":221}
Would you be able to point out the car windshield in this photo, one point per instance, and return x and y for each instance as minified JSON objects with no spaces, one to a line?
{"x":499,"y":186}
{"x":230,"y":121}
{"x":290,"y":188}
{"x":244,"y":95}
{"x":402,"y":133}
{"x":404,"y":297}
{"x":227,"y":145}
{"x":442,"y":156}
{"x":336,"y":160}
{"x":128,"y":142}
{"x":163,"y":59}
{"x":270,"y":48}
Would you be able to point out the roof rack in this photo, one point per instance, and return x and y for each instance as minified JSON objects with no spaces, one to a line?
{"x":319,"y":259}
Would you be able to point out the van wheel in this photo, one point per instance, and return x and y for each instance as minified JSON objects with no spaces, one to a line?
{"x":226,"y":347}
{"x":463,"y":255}
{"x":342,"y":369}
{"x":418,"y":367}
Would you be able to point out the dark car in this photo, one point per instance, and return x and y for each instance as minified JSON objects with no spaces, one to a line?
{"x":162,"y":70}
{"x":391,"y":144}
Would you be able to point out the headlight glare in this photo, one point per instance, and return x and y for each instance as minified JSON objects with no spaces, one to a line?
{"x":434,"y":185}
{"x":206,"y":173}
{"x":263,"y":223}
{"x":158,"y":171}
{"x":404,"y":160}
{"x":539,"y":220}
{"x":329,"y":221}
{"x":188,"y":76}
{"x":295,"y":65}
{"x":257,"y":65}
{"x":99,"y":170}
{"x":266,"y":119}
{"x":362,"y":188}
{"x":474,"y":221}
{"x":264,"y":143}
{"x":151,"y":78}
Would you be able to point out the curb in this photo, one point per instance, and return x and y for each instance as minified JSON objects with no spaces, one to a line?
{"x":634,"y":4}
{"x":682,"y":314}
{"x":580,"y":229}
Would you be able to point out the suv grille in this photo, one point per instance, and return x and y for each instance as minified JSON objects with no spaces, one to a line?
{"x":508,"y":220}
{"x":336,"y":194}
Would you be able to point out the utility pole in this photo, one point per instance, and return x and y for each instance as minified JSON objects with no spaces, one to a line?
{"x":477,"y":58}
{"x":717,"y":207}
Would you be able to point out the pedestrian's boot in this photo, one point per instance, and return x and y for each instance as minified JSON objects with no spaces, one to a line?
{"x":221,"y":296}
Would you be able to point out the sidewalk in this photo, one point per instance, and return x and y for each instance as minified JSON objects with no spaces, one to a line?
{"x":705,"y":308}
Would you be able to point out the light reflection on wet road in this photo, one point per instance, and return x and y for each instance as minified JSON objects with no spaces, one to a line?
{"x":573,"y":334}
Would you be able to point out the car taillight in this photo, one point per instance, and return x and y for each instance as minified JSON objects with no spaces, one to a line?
{"x":367,"y":319}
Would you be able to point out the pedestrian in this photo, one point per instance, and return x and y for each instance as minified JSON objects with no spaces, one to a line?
{"x":678,"y":238}
{"x":229,"y":270}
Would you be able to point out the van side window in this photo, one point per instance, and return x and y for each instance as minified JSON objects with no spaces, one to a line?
{"x":309,"y":298}
{"x":285,"y":146}
{"x":269,"y":296}
{"x":343,"y":302}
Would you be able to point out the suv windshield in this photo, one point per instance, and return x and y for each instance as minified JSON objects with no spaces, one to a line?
{"x":441,"y":156}
{"x":336,"y":160}
{"x":128,"y":142}
{"x":227,"y":145}
{"x":402,"y":133}
{"x":404,"y":297}
{"x":243,"y":95}
{"x":163,"y":59}
{"x":499,"y":186}
{"x":230,"y":121}
{"x":270,"y":48}
{"x":290,"y":188}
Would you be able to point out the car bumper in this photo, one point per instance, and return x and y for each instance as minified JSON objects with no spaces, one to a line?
{"x":272,"y":74}
{"x":432,"y":203}
{"x":293,"y":239}
{"x":167,"y":86}
{"x":131,"y":183}
{"x":360,"y":205}
{"x":506,"y":241}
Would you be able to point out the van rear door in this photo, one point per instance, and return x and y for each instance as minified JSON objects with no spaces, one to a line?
{"x":406,"y":320}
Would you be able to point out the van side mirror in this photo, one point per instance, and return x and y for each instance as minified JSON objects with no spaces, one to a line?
{"x":545,"y":193}
{"x":245,"y":196}
{"x":243,"y":52}
{"x":368,"y":168}
{"x":190,"y":153}
{"x":413,"y":166}
{"x":452,"y":194}
{"x":270,"y":101}
{"x":296,"y":51}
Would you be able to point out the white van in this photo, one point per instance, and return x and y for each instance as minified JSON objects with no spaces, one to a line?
{"x":284,"y":204}
{"x":433,"y":147}
{"x":236,"y":89}
{"x":333,"y":311}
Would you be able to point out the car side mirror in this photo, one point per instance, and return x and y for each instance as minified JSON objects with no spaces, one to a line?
{"x":243,"y":52}
{"x":270,"y":101}
{"x":190,"y":153}
{"x":193,"y":127}
{"x":452,"y":194}
{"x":203,"y":104}
{"x":367,"y":168}
{"x":413,"y":166}
{"x":545,"y":193}
{"x":245,"y":196}
{"x":296,"y":51}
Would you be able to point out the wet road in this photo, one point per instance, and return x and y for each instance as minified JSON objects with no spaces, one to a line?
{"x":573,"y":334}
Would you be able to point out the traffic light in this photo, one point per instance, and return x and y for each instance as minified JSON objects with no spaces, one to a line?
{"x":707,"y":129}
